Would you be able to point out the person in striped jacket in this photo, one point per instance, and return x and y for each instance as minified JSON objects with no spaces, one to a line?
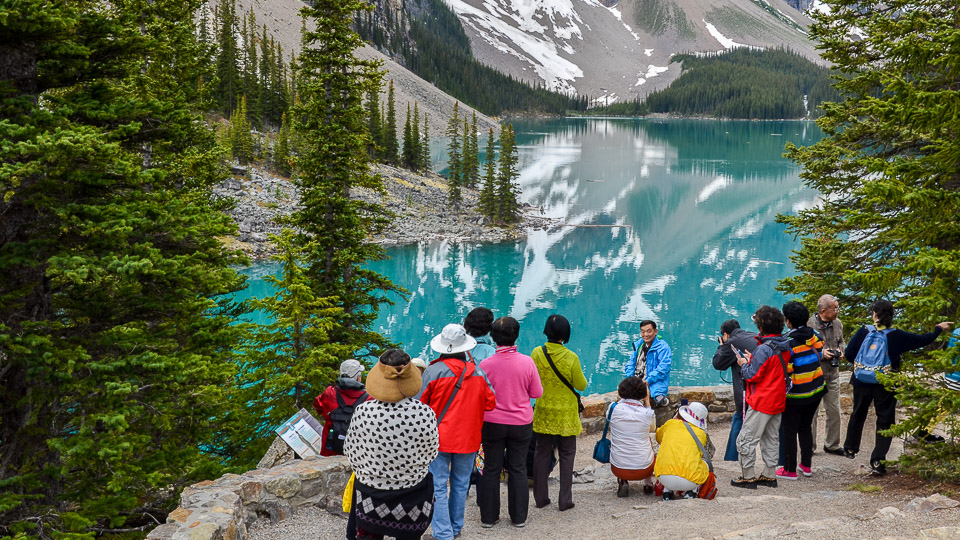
{"x":803,"y":398}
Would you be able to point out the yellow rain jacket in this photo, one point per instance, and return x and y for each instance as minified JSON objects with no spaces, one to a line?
{"x":679,"y":454}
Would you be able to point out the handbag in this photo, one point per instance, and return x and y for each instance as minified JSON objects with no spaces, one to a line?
{"x":601,"y":450}
{"x":563,"y":380}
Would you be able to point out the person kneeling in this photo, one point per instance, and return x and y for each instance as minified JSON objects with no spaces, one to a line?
{"x":632,"y":420}
{"x":683,"y":466}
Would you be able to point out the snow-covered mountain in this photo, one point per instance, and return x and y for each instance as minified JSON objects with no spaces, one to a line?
{"x":616,"y":50}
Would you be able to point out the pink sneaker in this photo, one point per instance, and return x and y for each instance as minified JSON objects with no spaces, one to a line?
{"x":781,"y":473}
{"x":804,"y":470}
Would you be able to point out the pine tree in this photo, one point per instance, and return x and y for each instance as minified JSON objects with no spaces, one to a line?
{"x":488,"y":197}
{"x":886,"y":226}
{"x":229,"y":84}
{"x":417,"y":143}
{"x":425,"y":157}
{"x":241,"y":140}
{"x":374,"y":125}
{"x":472,"y":166}
{"x":508,"y":204}
{"x":391,"y":149}
{"x":115,"y":344}
{"x":408,"y":143}
{"x":282,"y":155}
{"x":332,"y":161}
{"x":293,"y":357}
{"x":468,"y":157}
{"x":454,"y":161}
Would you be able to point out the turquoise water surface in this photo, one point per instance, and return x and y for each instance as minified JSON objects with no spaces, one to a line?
{"x":687,"y":237}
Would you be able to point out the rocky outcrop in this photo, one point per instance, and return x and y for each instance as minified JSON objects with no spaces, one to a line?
{"x":418,"y":202}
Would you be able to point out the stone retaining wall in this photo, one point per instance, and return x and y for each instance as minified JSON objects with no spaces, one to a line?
{"x":222,"y":509}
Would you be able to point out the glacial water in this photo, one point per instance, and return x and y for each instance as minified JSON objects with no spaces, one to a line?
{"x":670,"y":220}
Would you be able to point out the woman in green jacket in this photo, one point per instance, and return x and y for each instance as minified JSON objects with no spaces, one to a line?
{"x":557,"y":414}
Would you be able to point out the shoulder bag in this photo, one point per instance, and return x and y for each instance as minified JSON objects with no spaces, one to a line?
{"x":456,"y":388}
{"x":562,"y":379}
{"x":708,"y":489}
{"x":601,"y":450}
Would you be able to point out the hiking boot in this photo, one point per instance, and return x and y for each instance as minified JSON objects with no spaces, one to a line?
{"x":877,"y":468}
{"x":786,"y":475}
{"x":834,"y":451}
{"x":927,"y":437}
{"x":667,"y":495}
{"x":741,"y":482}
{"x":804,"y":470}
{"x":489,"y":525}
{"x":849,"y":454}
{"x":766,"y":481}
{"x":623,"y":488}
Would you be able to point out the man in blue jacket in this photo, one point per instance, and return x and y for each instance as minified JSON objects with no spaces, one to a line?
{"x":650,"y":361}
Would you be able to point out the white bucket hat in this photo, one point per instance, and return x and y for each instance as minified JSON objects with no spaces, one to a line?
{"x":696,"y":414}
{"x":452,"y":339}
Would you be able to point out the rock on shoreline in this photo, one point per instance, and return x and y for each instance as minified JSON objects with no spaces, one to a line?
{"x":418,"y":202}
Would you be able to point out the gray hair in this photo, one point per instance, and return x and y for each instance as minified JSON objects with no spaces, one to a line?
{"x":825,"y":301}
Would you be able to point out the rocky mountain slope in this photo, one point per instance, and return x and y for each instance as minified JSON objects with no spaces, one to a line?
{"x":616,"y":50}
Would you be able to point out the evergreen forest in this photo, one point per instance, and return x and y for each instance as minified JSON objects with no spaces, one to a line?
{"x":741,"y":84}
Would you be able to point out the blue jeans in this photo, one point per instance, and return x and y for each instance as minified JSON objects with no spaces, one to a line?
{"x":448,"y":509}
{"x":731,"y":454}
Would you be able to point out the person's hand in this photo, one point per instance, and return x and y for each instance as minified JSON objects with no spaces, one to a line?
{"x":945,"y":325}
{"x":827,"y":354}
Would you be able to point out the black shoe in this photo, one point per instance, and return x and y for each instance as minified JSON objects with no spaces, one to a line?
{"x":544,"y":505}
{"x":849,"y":454}
{"x":489,"y":525}
{"x":565,"y":508}
{"x":927,"y":437}
{"x":877,"y":468}
{"x":835,"y":451}
{"x":741,"y":482}
{"x":766,"y":481}
{"x":623,"y":488}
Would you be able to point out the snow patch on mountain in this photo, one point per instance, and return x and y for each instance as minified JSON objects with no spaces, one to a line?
{"x":652,"y":71}
{"x":726,"y":42}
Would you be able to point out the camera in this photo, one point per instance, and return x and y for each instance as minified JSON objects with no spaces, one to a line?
{"x":835,"y":355}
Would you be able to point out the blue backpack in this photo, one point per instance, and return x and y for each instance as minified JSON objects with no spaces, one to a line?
{"x":873,"y":356}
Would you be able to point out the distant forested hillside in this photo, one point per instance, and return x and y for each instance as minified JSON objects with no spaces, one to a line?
{"x":742,"y":83}
{"x":438,"y":50}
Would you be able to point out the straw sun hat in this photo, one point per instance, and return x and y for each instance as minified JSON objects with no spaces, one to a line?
{"x":393,"y":383}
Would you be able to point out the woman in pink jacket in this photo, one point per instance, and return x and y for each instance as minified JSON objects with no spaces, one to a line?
{"x":508,"y":427}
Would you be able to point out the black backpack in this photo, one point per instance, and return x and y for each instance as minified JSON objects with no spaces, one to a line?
{"x":340,"y":421}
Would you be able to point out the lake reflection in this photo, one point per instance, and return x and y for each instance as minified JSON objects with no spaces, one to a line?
{"x":681,"y":230}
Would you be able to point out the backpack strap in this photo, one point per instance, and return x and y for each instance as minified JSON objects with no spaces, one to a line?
{"x":456,"y":389}
{"x":703,"y":453}
{"x":340,"y":402}
{"x":363,"y":397}
{"x":606,"y":426}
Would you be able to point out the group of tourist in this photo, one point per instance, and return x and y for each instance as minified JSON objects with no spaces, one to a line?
{"x":417,"y":427}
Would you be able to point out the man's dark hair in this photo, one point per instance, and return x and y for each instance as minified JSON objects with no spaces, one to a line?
{"x":884,"y":312}
{"x":769,"y":320}
{"x":505,"y":331}
{"x":729,"y":326}
{"x":557,"y":329}
{"x":394,"y":357}
{"x":796,"y":313}
{"x":632,"y":388}
{"x":478,"y":321}
{"x":458,"y":356}
{"x":646,"y":322}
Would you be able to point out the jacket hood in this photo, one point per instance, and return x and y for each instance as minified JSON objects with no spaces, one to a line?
{"x":777,"y":343}
{"x":345,"y":383}
{"x":802,"y":333}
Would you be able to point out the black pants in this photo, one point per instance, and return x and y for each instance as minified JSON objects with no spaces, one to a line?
{"x":797,"y":424}
{"x":885,"y":404}
{"x":567,"y":450}
{"x":515,"y":441}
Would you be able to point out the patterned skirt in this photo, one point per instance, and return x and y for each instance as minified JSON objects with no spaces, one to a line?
{"x":401,"y":513}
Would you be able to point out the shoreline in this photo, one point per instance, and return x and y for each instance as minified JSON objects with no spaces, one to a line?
{"x":418,"y":201}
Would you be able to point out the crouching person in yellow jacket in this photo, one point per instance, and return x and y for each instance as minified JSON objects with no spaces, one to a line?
{"x":683,"y":467}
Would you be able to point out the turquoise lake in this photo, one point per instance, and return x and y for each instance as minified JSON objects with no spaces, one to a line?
{"x":688,"y":238}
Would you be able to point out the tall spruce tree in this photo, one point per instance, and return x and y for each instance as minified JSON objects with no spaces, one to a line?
{"x":409,"y":155}
{"x":374,"y":125}
{"x":115,"y":352}
{"x":887,"y":224}
{"x":425,"y":158}
{"x":488,"y":194}
{"x":468,"y":158}
{"x":417,"y":142}
{"x":229,"y":85}
{"x":331,"y":163}
{"x":391,"y":149}
{"x":508,"y":203}
{"x":241,"y":140}
{"x":472,"y":166}
{"x":454,"y":160}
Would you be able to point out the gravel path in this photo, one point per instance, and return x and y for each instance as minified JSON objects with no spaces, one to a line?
{"x":820,"y":507}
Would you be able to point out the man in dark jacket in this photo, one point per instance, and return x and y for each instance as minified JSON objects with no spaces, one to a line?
{"x":731,"y":335}
{"x":765,"y":391}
